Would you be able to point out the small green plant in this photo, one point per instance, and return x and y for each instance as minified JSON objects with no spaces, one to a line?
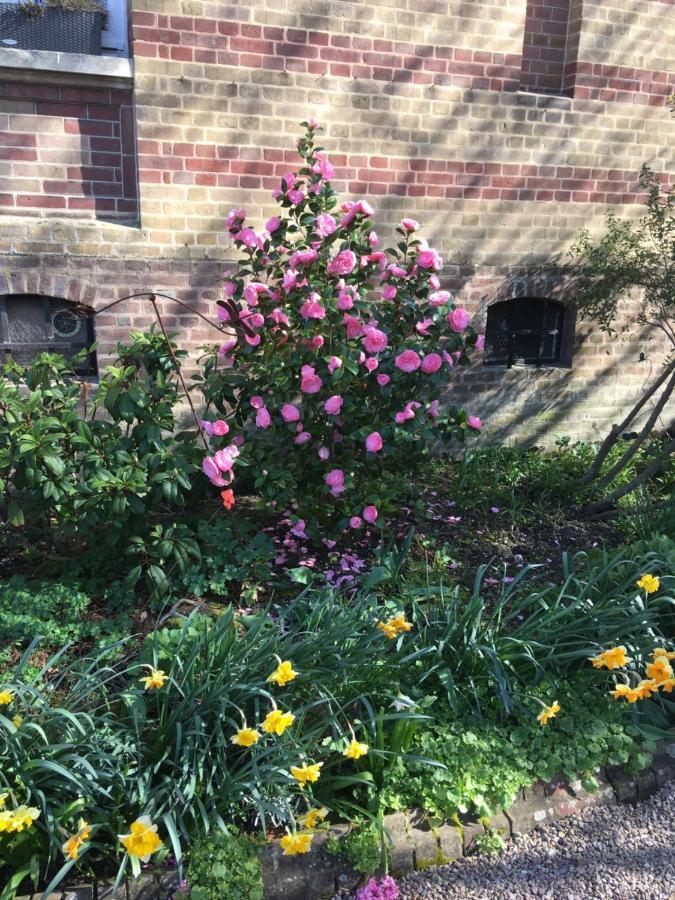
{"x":363,"y":847}
{"x":224,"y":865}
{"x":33,"y":8}
{"x":490,"y":842}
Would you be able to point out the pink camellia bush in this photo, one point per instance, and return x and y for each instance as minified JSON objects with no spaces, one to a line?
{"x":336,"y":357}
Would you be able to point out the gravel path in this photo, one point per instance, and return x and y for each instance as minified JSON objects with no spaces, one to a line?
{"x":622,"y":853}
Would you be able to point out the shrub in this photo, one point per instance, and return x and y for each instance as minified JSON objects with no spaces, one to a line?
{"x":340,"y":353}
{"x":362,"y":847}
{"x":224,"y":865}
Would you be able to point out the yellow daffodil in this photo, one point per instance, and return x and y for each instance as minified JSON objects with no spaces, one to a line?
{"x":71,"y":847}
{"x":661,"y":651}
{"x":668,"y":686}
{"x":246,"y":737}
{"x":312,"y":817}
{"x":355,"y":750}
{"x":12,"y":820}
{"x":142,"y":840}
{"x":276,"y":721}
{"x":648,"y":583}
{"x":305,"y":773}
{"x":154,"y":680}
{"x":627,"y":692}
{"x":292,"y":844}
{"x":646,"y":688}
{"x":6,"y":697}
{"x":660,"y":670}
{"x":283,"y":673}
{"x":548,"y":712}
{"x":394,"y":626}
{"x":610,"y":659}
{"x":17,"y":721}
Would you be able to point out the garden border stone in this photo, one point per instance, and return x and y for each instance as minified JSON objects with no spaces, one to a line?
{"x":415,"y":844}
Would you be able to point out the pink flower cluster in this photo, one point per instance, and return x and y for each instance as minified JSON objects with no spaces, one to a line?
{"x":385,"y":889}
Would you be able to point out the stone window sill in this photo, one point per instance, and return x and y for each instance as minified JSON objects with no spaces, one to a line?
{"x":42,"y":65}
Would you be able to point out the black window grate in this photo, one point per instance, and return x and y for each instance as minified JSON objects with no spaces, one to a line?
{"x":528,"y":331}
{"x":32,"y":324}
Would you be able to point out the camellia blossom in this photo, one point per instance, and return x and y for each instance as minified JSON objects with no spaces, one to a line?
{"x":272,"y":224}
{"x":474,"y":422}
{"x":458,"y":319}
{"x":290,"y":412}
{"x":409,"y":225}
{"x":142,"y":840}
{"x":324,"y":453}
{"x":302,"y":438}
{"x":431,"y":363}
{"x":374,"y":442}
{"x":371,"y":363}
{"x":334,"y":363}
{"x":333,"y":405}
{"x":311,"y":383}
{"x":335,"y":480}
{"x":389,"y":291}
{"x":422,"y":327}
{"x":428,"y":258}
{"x":262,"y":418}
{"x":355,"y":522}
{"x":408,"y":361}
{"x":439,"y":298}
{"x":383,"y":379}
{"x":374,"y":340}
{"x":312,"y":308}
{"x":370,"y":514}
{"x":353,"y":324}
{"x":325,"y":224}
{"x":279,"y":317}
{"x":343,"y":264}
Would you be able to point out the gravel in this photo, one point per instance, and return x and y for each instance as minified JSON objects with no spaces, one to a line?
{"x":622,"y":853}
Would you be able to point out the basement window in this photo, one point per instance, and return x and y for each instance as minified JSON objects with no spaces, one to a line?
{"x":32,"y":324}
{"x":529,"y":331}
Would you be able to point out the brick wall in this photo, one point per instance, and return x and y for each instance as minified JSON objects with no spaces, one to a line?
{"x":67,"y":150}
{"x":544,"y":44}
{"x":424,"y":112}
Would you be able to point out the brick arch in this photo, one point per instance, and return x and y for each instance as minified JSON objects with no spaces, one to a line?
{"x":46,"y":284}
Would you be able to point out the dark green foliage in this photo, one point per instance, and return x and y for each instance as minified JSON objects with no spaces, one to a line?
{"x":362,"y":847}
{"x":224,"y":866}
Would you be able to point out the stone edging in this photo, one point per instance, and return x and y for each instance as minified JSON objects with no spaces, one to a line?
{"x":414,"y":844}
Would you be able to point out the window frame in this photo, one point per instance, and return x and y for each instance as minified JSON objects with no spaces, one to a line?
{"x":115,"y":35}
{"x":565,"y":332}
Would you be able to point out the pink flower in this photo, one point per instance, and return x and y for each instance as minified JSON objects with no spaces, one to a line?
{"x":210,"y":468}
{"x":345,"y":300}
{"x":290,"y":279}
{"x":374,"y":442}
{"x":474,"y":422}
{"x":458,"y":319}
{"x":333,"y":405}
{"x":228,"y":346}
{"x":397,"y":271}
{"x":303,"y":258}
{"x":247,"y":237}
{"x":375,"y":341}
{"x":355,"y":522}
{"x":234,"y":219}
{"x":279,"y":317}
{"x":353,"y":324}
{"x":409,"y":224}
{"x":256,"y":320}
{"x":311,"y":383}
{"x":229,"y":288}
{"x":302,"y":438}
{"x":379,"y":257}
{"x":295,"y":196}
{"x":324,"y":453}
{"x":389,"y":292}
{"x":407,"y":361}
{"x":220,"y":427}
{"x":383,"y":380}
{"x":335,"y":481}
{"x":480,"y":342}
{"x":365,"y":208}
{"x":323,"y":166}
{"x":431,"y":363}
{"x":428,"y":258}
{"x":272,"y":224}
{"x":334,"y":363}
{"x":448,"y":358}
{"x":299,"y":529}
{"x":343,"y":263}
{"x":290,"y":413}
{"x":439,"y":298}
{"x":317,"y":342}
{"x":432,"y":410}
{"x":434,"y":282}
{"x":223,"y":314}
{"x":312,"y":309}
{"x":207,"y":427}
{"x":373,"y":239}
{"x":370,"y":514}
{"x":262,"y":418}
{"x":252,"y":291}
{"x":422,"y":327}
{"x":325,"y":224}
{"x":257,"y":402}
{"x":371,"y":363}
{"x":252,"y":339}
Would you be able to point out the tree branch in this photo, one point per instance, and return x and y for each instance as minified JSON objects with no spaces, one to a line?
{"x":608,"y":502}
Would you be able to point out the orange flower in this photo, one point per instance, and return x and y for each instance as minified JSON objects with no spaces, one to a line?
{"x":228,"y":498}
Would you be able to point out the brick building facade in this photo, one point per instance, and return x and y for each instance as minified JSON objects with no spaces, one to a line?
{"x":504,"y":127}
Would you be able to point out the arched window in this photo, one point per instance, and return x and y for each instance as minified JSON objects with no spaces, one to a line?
{"x":32,"y":324}
{"x":531,"y":331}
